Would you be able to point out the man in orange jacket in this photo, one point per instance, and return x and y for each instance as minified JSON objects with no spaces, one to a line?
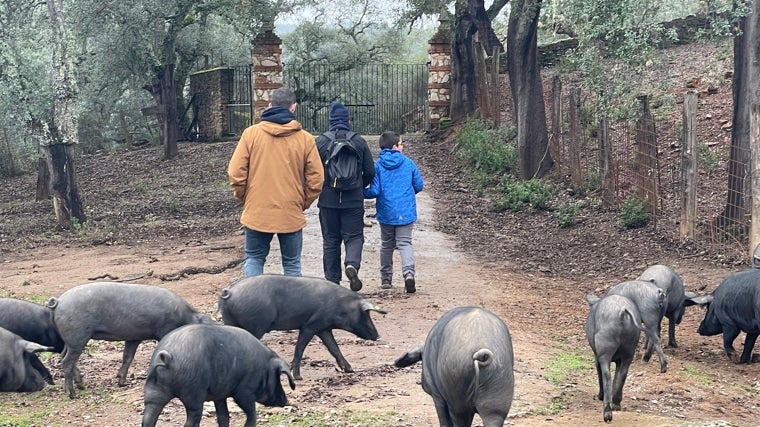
{"x":277,"y":173}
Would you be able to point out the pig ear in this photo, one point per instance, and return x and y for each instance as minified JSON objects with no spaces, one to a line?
{"x":285,"y":369}
{"x":367,"y":306}
{"x":592,"y":299}
{"x":31,"y":347}
{"x":698,"y":300}
{"x":410,"y":357}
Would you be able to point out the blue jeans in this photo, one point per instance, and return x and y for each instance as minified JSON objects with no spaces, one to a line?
{"x":257,"y":249}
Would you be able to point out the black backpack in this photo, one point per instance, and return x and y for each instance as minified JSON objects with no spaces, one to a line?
{"x":343,"y":162}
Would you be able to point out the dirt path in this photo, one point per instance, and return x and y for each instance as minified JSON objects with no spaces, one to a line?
{"x":157,"y":221}
{"x":446,"y":278}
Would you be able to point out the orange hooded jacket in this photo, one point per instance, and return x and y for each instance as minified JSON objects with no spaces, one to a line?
{"x":277,"y":173}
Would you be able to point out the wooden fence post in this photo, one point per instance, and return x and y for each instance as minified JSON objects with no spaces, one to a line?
{"x":555,"y":140}
{"x":646,"y":157}
{"x":754,"y":144}
{"x":575,"y":137}
{"x":689,"y":167}
{"x":605,"y":163}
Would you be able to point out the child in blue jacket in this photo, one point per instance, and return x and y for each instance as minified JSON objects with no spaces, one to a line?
{"x":397,"y":180}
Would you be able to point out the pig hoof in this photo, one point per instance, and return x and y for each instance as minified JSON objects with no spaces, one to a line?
{"x":607,"y":415}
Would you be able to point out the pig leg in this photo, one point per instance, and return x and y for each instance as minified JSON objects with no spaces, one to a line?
{"x":607,"y":389}
{"x":621,"y":372}
{"x":194,"y":412}
{"x":653,"y":342}
{"x":672,"y":332}
{"x":749,"y":344}
{"x":130,"y":348}
{"x":301,"y":342}
{"x":222,"y":413}
{"x":70,"y":370}
{"x":442,"y":409}
{"x":247,"y":404}
{"x":730,"y":333}
{"x":332,"y":346}
{"x":492,"y":420}
{"x":40,"y":367}
{"x":462,"y":419}
{"x":600,"y":377}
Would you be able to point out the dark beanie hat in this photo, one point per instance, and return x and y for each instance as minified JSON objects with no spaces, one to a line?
{"x":338,"y":116}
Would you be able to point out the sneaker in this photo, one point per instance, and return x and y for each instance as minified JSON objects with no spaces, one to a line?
{"x":409,"y":283}
{"x":353,"y":278}
{"x":386,"y":284}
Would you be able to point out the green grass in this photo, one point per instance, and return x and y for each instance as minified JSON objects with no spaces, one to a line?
{"x":696,"y":375}
{"x":26,"y":420}
{"x":326,"y":419}
{"x":565,"y":365}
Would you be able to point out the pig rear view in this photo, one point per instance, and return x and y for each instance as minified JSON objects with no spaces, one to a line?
{"x":467,"y":367}
{"x":312,"y":305}
{"x":671,"y":283}
{"x":20,"y":368}
{"x":613,"y":329}
{"x":198,"y":363}
{"x":32,"y":322}
{"x":650,"y":302}
{"x":114,"y":311}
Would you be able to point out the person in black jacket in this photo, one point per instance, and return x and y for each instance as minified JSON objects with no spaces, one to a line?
{"x":341,"y":213}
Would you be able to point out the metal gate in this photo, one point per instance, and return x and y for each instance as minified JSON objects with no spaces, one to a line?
{"x":379,"y":97}
{"x":239,"y":106}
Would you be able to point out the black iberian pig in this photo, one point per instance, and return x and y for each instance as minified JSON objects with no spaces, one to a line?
{"x":312,"y":305}
{"x":198,"y":363}
{"x":467,"y":367}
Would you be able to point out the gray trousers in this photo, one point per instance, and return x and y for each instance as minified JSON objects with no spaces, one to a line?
{"x":392,"y":237}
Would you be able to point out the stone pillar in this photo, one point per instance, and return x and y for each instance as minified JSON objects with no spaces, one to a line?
{"x":267,"y":69}
{"x":439,"y":71}
{"x":211,"y":91}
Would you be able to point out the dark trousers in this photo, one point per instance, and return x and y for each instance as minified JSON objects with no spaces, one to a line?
{"x":341,"y":226}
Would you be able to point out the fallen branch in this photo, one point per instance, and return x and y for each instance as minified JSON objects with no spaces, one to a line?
{"x":187,"y":271}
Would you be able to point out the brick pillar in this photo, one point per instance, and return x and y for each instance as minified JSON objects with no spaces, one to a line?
{"x":212,"y":90}
{"x":267,"y":69}
{"x":439,"y":71}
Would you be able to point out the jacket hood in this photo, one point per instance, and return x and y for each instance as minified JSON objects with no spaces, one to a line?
{"x":279,"y":115}
{"x":339,"y":117}
{"x":390,"y":159}
{"x":279,"y":121}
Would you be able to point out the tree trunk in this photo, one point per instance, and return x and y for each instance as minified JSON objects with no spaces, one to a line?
{"x":165,"y":94}
{"x":527,"y":90}
{"x":463,"y":57}
{"x":746,"y":91}
{"x":63,"y":183}
{"x":61,"y":131}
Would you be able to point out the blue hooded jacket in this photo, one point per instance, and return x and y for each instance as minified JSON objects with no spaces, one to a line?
{"x":397,"y":180}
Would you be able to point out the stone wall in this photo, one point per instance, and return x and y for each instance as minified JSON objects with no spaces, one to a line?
{"x":211,"y":90}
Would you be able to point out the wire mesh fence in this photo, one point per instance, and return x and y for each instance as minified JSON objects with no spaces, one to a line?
{"x":644,"y":158}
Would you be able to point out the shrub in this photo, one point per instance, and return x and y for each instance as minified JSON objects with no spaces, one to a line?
{"x":567,"y":214}
{"x":516,"y":194}
{"x":635,"y":213}
{"x":485,"y":149}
